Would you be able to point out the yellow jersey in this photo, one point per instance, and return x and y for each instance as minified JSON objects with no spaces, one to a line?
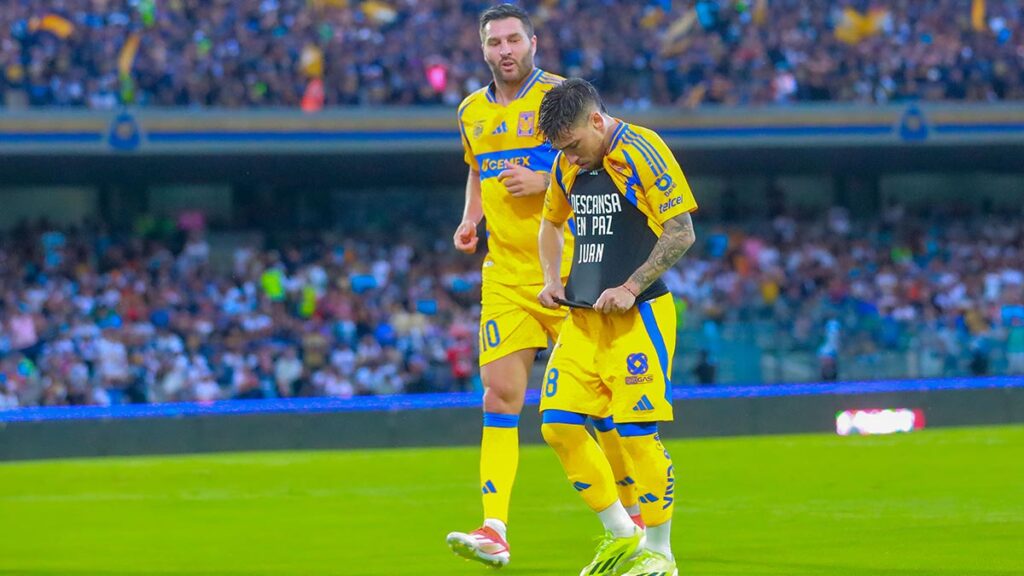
{"x":495,"y":137}
{"x":618,"y":211}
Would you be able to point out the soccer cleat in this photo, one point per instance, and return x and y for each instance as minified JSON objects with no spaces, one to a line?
{"x":482,"y":545}
{"x":648,"y":563}
{"x":612,"y":553}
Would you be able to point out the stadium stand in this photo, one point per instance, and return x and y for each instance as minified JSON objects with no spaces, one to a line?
{"x":316,"y":53}
{"x":94,"y":317}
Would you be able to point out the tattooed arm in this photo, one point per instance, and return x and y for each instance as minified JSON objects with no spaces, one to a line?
{"x":676,"y":239}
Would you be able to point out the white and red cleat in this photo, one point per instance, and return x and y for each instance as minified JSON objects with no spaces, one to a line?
{"x":483,"y":545}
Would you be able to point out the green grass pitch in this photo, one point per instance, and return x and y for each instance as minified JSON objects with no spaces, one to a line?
{"x":937,"y":502}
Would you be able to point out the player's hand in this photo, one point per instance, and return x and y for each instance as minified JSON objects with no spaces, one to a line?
{"x":615,"y":301}
{"x":550,"y":295}
{"x":465,"y":237}
{"x":521,"y":181}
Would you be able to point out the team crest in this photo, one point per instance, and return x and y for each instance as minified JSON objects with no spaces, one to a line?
{"x":526,"y":123}
{"x":478,"y":129}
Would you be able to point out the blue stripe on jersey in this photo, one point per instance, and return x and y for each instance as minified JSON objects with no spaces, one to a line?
{"x":538,"y":158}
{"x":650,"y":155}
{"x":603,"y":424}
{"x":639,"y":429}
{"x":563,"y":417}
{"x":656,"y":162}
{"x":572,"y":225}
{"x":618,"y":133}
{"x":549,"y":79}
{"x":495,"y":420}
{"x":645,"y":144}
{"x":651,"y":325}
{"x":529,"y":83}
{"x":643,"y":141}
{"x":632,"y":180}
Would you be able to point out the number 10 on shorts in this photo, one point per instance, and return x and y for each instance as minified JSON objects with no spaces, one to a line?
{"x":490,"y":338}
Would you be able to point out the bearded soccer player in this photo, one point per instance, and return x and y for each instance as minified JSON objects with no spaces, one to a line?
{"x":630,"y":205}
{"x":509,"y":171}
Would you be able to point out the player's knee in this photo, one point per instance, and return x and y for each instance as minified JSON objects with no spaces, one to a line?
{"x":561,"y":437}
{"x":502,"y":399}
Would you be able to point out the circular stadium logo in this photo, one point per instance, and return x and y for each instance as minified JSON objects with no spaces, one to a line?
{"x":124,"y":133}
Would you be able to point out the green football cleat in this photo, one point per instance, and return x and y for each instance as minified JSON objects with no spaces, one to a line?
{"x":612,"y":553}
{"x":648,"y":563}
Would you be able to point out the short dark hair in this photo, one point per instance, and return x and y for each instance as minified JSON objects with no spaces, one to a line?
{"x":502,"y":11}
{"x":565,"y":105}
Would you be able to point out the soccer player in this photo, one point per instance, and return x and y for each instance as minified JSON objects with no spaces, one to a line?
{"x":630,"y":205}
{"x":509,"y":171}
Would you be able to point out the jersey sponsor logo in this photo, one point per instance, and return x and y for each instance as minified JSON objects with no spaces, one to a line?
{"x":672,"y":203}
{"x":645,"y":379}
{"x":637,"y":363}
{"x":670,"y":489}
{"x":527,"y":121}
{"x":665,"y":184}
{"x":503,"y":163}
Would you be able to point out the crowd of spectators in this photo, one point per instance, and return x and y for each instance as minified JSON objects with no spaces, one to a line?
{"x":94,"y":317}
{"x":951,"y":293}
{"x":259,"y":53}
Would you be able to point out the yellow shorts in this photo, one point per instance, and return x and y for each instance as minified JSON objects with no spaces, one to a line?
{"x":511,"y":319}
{"x":614,"y":364}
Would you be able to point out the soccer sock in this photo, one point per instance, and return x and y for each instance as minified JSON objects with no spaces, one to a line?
{"x":581,"y":457}
{"x":622,"y":466}
{"x":659,"y":539}
{"x":617,"y":521}
{"x":654,"y":473}
{"x":499,"y":458}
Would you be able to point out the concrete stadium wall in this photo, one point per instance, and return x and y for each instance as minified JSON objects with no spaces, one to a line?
{"x":28,"y":434}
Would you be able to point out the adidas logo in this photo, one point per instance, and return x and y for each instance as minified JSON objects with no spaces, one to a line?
{"x":648,"y":498}
{"x":626,"y":481}
{"x":643,"y":405}
{"x":605,"y":567}
{"x":580,"y":486}
{"x":489,"y":488}
{"x":501,"y":129}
